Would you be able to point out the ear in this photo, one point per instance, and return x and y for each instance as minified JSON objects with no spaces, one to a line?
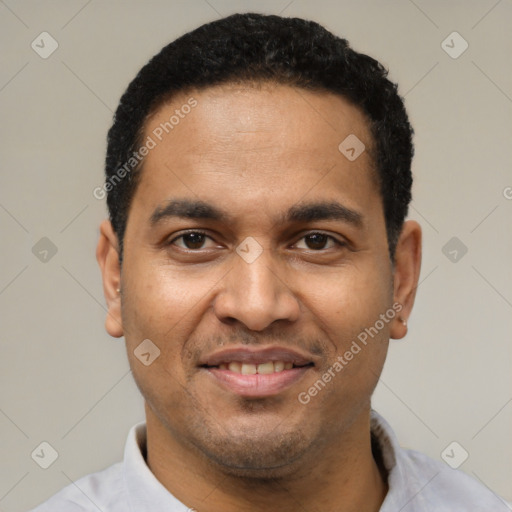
{"x":406,"y":274}
{"x":107,"y":254}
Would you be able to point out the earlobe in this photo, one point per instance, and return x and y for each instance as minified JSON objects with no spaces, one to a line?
{"x":107,"y":256}
{"x":406,"y":273}
{"x":399,"y":328}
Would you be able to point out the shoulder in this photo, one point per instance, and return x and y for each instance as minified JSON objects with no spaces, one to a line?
{"x":436,"y":486}
{"x":418,"y":483}
{"x":103,"y":491}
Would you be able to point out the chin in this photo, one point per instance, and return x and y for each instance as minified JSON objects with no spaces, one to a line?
{"x":268,"y":476}
{"x":262,"y":467}
{"x":268,"y":456}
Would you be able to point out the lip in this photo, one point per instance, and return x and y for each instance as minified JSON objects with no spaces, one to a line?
{"x":258,"y":385}
{"x":257,"y":355}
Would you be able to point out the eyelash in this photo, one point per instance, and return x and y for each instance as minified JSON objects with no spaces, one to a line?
{"x":199,"y":232}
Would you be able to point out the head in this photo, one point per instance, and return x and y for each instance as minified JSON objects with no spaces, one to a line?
{"x":256,"y":48}
{"x":244,"y":226}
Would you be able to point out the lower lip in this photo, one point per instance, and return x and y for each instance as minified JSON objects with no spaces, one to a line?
{"x":258,"y":386}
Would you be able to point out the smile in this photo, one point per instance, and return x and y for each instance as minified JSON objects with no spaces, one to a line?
{"x":261,"y":369}
{"x":257,"y":373}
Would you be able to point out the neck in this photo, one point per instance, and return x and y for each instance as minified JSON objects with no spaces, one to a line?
{"x":341,"y":477}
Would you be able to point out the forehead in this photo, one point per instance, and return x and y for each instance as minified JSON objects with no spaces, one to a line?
{"x":294,"y":117}
{"x":277,"y":142}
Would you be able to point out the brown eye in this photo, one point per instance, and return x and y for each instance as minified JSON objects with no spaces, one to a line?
{"x":191,"y":241}
{"x":318,"y":241}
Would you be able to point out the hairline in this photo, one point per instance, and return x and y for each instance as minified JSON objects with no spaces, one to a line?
{"x":258,"y":83}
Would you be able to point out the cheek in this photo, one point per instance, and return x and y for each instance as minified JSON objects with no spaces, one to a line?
{"x":349,"y":298}
{"x":348,"y":308}
{"x":159,"y":297}
{"x":164,"y":305}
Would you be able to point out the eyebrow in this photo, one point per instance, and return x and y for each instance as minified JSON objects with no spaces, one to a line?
{"x":188,"y":209}
{"x":324,"y":210}
{"x":302,"y":212}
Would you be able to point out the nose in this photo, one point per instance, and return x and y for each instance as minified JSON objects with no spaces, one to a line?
{"x":255,"y":295}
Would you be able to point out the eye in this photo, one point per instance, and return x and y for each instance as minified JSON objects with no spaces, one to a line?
{"x":318,"y":241}
{"x":192,"y":240}
{"x":196,"y":240}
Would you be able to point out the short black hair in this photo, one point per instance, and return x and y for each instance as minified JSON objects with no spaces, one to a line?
{"x":259,"y":48}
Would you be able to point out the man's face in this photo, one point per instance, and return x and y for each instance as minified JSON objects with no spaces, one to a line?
{"x":261,"y":157}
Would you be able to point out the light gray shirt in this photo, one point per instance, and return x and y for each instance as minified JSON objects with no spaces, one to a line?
{"x":416,"y":483}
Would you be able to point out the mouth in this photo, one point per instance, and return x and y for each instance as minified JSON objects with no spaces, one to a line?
{"x":257,"y":373}
{"x":265,"y":368}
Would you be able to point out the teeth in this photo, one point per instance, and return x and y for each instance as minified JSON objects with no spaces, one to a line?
{"x":248,"y":369}
{"x":266,"y":368}
{"x":235,"y":367}
{"x":253,"y":369}
{"x":278,"y":366}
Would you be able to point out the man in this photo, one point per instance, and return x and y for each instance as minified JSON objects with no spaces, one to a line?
{"x":257,"y":261}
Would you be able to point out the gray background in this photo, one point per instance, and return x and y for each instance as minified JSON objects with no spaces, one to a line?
{"x":66,"y":382}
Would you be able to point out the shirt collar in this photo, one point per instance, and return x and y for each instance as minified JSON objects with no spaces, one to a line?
{"x":146,"y":493}
{"x":407,"y":477}
{"x":390,"y":452}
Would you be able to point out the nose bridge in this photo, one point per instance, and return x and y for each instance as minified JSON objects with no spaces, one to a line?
{"x":255,"y":294}
{"x":259,"y":280}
